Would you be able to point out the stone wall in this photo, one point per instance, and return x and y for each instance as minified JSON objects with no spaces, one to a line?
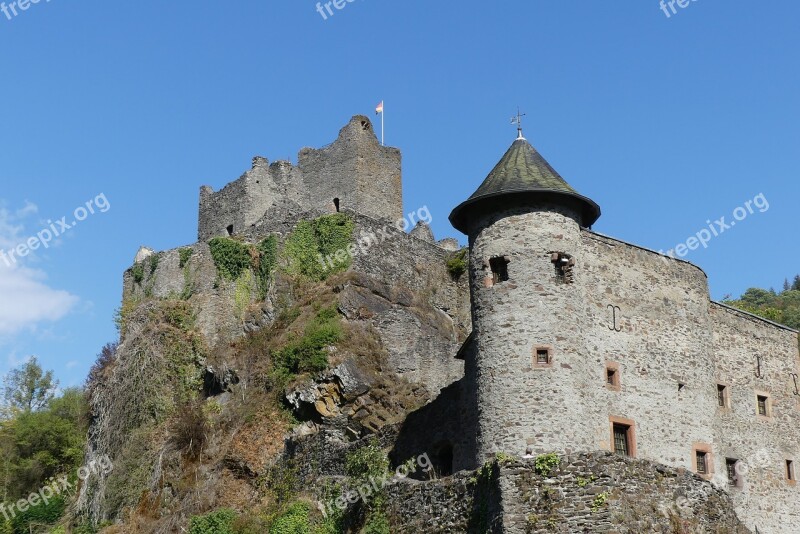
{"x":597,"y":493}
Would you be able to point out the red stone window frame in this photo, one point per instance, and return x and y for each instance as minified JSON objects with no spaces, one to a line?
{"x":613,"y":376}
{"x":790,"y":473}
{"x":704,"y":450}
{"x":536,"y":355}
{"x":733,"y":472}
{"x":629,"y":426}
{"x":763,"y":404}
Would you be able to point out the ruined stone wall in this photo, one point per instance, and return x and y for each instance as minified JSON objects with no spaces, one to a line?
{"x":597,"y":492}
{"x":357,"y":170}
{"x":240,"y":204}
{"x":764,"y":497}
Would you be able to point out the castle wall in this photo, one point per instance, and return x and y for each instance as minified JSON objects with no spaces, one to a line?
{"x":765,"y":499}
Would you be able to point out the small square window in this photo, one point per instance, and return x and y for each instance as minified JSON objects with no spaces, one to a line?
{"x":722,"y":395}
{"x":763,"y":405}
{"x":702,"y":462}
{"x":611,"y":377}
{"x":499,"y":266}
{"x":681,"y":387}
{"x":790,"y":476}
{"x":542,"y":356}
{"x":732,"y":471}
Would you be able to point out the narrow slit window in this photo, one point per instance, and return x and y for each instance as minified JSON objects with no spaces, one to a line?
{"x":722,"y":395}
{"x":336,"y":204}
{"x":763,"y":406}
{"x":564,"y":264}
{"x":731,"y":470}
{"x":790,"y":470}
{"x":230,"y":229}
{"x":499,"y":266}
{"x":611,"y":377}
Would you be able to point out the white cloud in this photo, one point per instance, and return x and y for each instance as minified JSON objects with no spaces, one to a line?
{"x":25,"y":298}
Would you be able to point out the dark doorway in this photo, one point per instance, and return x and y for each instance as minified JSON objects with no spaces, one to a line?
{"x":336,"y":203}
{"x":230,"y":229}
{"x":443,"y":459}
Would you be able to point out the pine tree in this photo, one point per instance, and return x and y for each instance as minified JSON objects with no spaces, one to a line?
{"x":796,"y":284}
{"x":786,"y":285}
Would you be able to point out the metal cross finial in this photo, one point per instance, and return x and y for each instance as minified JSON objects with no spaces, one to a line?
{"x":518,"y":121}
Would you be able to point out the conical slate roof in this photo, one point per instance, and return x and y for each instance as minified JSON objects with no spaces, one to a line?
{"x":522,"y":177}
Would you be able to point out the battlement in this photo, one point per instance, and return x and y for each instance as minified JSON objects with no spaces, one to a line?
{"x":355,"y":172}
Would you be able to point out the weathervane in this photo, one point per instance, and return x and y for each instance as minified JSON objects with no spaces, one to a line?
{"x":518,"y":121}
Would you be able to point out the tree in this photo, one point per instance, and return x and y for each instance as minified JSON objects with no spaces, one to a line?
{"x":786,"y":285}
{"x":29,"y":388}
{"x":796,"y":283}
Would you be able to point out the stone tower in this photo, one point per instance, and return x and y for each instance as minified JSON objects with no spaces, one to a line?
{"x":524,"y":226}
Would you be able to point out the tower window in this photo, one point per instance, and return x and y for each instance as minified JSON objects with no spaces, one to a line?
{"x":722,"y":395}
{"x":499,"y":266}
{"x":542,"y":356}
{"x":763,"y":405}
{"x":790,"y":476}
{"x":230,"y":229}
{"x":731,"y":470}
{"x":612,"y":376}
{"x":563,"y":264}
{"x":336,"y":204}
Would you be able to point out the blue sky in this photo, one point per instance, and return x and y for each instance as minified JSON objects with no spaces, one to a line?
{"x":665,"y":122}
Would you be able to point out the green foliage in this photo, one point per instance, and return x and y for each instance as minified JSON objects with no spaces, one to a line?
{"x":243,"y":293}
{"x":377,"y":523}
{"x":267,"y":260}
{"x":36,"y":446}
{"x":184,"y":254}
{"x":457,"y":264}
{"x":137,"y":271}
{"x":39,"y":515}
{"x":230,"y":256}
{"x":314,"y":241}
{"x":29,"y":387}
{"x":599,"y":501}
{"x":294,"y":520}
{"x":154,"y":259}
{"x":308,"y":354}
{"x":781,"y":307}
{"x":217,"y":522}
{"x":545,"y":463}
{"x":367,"y":461}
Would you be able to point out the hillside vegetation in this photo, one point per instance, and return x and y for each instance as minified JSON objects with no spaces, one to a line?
{"x":783,"y":307}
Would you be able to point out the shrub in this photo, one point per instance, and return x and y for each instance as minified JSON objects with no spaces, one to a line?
{"x":457,"y":264}
{"x":308,"y":354}
{"x":230,"y":256}
{"x":218,"y":522}
{"x":154,"y":259}
{"x":138,"y":272}
{"x":545,"y":464}
{"x":367,"y":461}
{"x":41,"y":514}
{"x":267,"y":260}
{"x":190,"y":430}
{"x":294,"y":520}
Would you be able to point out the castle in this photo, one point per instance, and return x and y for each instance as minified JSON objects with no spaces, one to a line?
{"x":559,"y":339}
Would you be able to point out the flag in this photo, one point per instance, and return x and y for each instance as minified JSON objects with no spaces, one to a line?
{"x":379,"y":108}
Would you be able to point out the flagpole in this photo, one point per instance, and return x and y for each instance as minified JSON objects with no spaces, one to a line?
{"x":383,"y":113}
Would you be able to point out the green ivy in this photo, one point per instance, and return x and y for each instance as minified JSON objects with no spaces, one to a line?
{"x":545,"y":464}
{"x":230,"y":256}
{"x":217,"y":522}
{"x":314,"y":242}
{"x":294,"y":520}
{"x":267,"y":260}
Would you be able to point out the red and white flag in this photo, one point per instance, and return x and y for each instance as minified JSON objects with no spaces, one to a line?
{"x":379,"y":108}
